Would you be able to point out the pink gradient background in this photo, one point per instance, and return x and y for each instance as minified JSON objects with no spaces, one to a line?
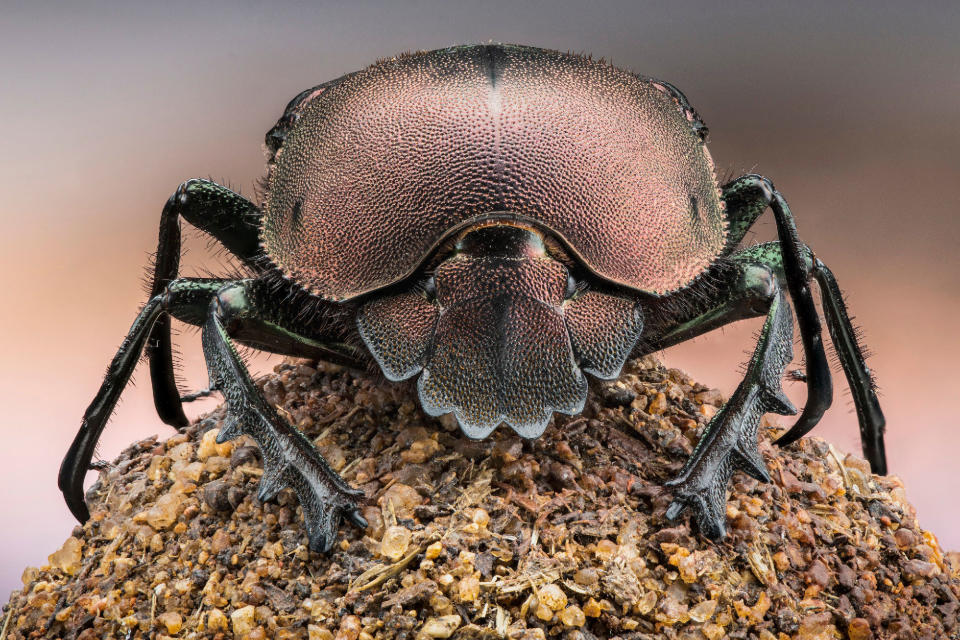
{"x":852,"y":110}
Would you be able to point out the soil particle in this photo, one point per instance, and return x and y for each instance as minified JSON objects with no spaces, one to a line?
{"x":563,"y":536}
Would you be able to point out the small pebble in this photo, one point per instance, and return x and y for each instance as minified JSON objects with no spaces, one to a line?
{"x":859,"y":629}
{"x":507,"y":539}
{"x":703,"y":611}
{"x":171,"y":620}
{"x":216,"y":620}
{"x":573,"y":616}
{"x":395,"y":542}
{"x":441,"y":627}
{"x":243,"y":620}
{"x":68,"y":557}
{"x":217,"y":495}
{"x":552,"y":596}
{"x":350,"y":627}
{"x":469,"y":589}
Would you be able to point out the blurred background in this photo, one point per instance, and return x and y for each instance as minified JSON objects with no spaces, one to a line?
{"x":851,"y":109}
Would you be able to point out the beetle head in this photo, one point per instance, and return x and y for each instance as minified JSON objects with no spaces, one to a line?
{"x":500,"y":331}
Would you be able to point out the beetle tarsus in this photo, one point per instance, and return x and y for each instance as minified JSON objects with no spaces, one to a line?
{"x":291,"y":461}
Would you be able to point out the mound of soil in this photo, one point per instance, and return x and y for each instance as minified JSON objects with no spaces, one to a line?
{"x":503,"y":538}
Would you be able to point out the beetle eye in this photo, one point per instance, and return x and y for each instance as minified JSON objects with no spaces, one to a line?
{"x":571,"y":287}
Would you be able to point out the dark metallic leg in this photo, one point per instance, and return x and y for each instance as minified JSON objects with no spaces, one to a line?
{"x":862,"y":386}
{"x":185,"y":298}
{"x":730,"y":440}
{"x":226,"y":216}
{"x":289,"y":458}
{"x":742,"y":288}
{"x":849,"y":351}
{"x":743,"y":196}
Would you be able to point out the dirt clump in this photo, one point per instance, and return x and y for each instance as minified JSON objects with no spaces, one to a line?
{"x":501,"y":538}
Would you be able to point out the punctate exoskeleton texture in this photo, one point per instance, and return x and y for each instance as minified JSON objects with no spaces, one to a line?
{"x":381,"y":165}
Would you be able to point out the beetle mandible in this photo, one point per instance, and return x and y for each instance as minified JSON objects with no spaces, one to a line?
{"x":498,"y":220}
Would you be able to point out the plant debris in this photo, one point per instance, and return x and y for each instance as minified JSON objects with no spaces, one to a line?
{"x":501,"y":538}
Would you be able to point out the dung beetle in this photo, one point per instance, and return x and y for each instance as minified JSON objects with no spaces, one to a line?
{"x":500,"y":221}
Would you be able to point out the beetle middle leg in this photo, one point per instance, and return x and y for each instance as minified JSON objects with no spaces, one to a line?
{"x":233,"y":221}
{"x":746,"y":198}
{"x":289,"y":458}
{"x":186,"y":299}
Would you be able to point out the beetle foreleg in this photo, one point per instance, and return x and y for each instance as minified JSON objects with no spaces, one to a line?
{"x":740,"y":291}
{"x":289,"y":458}
{"x":226,"y":216}
{"x":730,"y":440}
